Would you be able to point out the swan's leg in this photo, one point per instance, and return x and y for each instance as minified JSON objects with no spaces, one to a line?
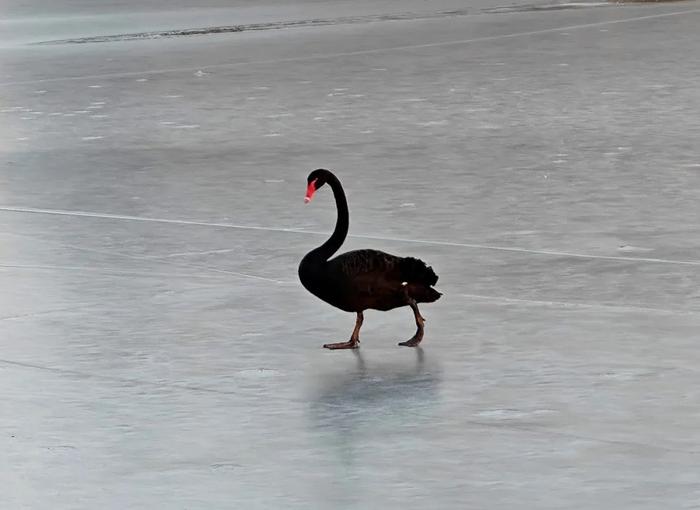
{"x":354,"y":341}
{"x":415,"y":339}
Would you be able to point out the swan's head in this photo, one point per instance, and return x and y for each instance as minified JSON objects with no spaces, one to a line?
{"x":314,"y":181}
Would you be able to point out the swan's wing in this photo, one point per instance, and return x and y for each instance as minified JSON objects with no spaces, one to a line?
{"x":359,"y":263}
{"x":373,"y":264}
{"x":380,"y":280}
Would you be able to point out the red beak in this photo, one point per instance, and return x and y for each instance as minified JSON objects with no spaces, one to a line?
{"x":310,"y":190}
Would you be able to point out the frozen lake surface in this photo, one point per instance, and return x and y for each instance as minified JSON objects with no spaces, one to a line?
{"x":157,"y":350}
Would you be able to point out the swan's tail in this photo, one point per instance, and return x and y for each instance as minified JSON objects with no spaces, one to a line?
{"x":424,"y":294}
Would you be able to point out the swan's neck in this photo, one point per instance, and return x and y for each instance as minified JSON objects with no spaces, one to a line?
{"x":333,"y":244}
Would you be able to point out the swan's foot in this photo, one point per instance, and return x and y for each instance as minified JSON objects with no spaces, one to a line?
{"x":350,"y":344}
{"x":354,"y":341}
{"x":414,"y":341}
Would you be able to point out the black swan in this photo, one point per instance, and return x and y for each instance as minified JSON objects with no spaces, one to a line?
{"x":362,"y":279}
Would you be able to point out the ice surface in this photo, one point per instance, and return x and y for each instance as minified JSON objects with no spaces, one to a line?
{"x":157,"y":350}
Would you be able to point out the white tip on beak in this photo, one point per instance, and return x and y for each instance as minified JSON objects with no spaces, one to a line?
{"x":307,"y":200}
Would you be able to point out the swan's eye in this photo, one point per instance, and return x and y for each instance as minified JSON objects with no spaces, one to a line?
{"x":310,"y":190}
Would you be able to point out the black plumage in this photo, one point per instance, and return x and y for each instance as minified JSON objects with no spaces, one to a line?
{"x":359,"y":280}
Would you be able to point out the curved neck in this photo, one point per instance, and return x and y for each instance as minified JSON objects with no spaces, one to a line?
{"x":327,"y":249}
